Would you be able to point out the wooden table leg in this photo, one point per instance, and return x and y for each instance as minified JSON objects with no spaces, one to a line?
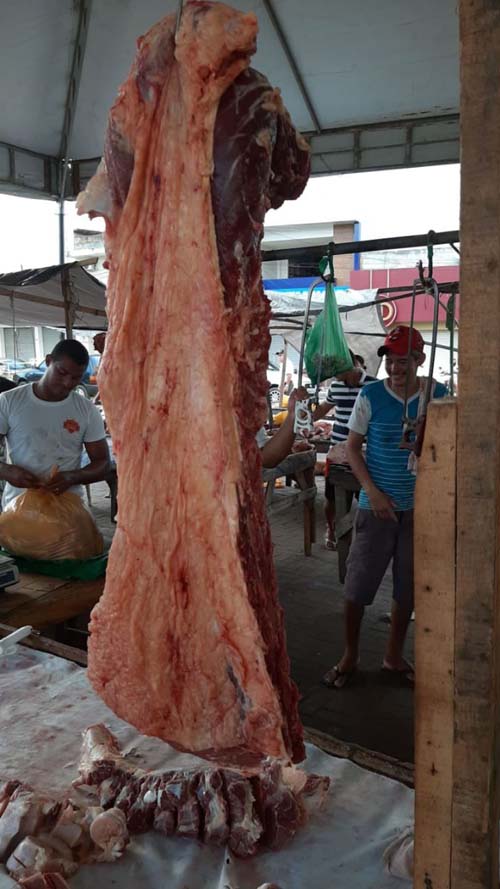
{"x":307,"y":529}
{"x":343,"y":527}
{"x":305,"y":480}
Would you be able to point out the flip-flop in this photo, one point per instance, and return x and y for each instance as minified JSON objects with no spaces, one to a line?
{"x":338,"y":679}
{"x":405,"y":677}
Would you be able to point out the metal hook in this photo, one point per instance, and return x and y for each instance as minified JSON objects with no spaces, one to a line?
{"x":330,"y":252}
{"x":180,"y":5}
{"x":426,"y":280}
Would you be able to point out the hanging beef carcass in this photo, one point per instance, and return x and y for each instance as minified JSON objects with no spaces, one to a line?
{"x":187,"y":642}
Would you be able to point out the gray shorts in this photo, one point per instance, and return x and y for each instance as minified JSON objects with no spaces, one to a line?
{"x":376,"y":542}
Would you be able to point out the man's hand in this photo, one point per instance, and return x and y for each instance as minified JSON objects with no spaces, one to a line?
{"x":301,"y":445}
{"x":300,"y":394}
{"x":19,"y":477}
{"x":351,"y":377}
{"x":59,"y":483}
{"x":381,"y":504}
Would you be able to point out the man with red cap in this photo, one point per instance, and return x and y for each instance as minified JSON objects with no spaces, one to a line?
{"x":384,"y":522}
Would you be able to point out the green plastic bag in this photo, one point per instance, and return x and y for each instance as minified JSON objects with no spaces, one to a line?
{"x":327,"y":353}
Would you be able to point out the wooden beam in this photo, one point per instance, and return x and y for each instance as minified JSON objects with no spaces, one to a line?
{"x":474,"y":853}
{"x":404,"y":772}
{"x":435,"y":537}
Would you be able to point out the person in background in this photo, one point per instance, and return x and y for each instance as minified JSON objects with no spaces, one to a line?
{"x":341,"y":396}
{"x":288,"y":382}
{"x":384,"y":521}
{"x":47,"y":424}
{"x":274,"y":450}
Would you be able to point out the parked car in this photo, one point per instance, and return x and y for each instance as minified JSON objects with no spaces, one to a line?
{"x":10,"y":367}
{"x":274,"y":380}
{"x":87,"y":387}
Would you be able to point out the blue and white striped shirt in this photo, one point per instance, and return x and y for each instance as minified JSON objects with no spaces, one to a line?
{"x":378,"y":414}
{"x":343,"y":397}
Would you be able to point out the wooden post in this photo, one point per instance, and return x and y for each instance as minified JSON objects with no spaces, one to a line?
{"x":474,"y":853}
{"x":435,"y":536}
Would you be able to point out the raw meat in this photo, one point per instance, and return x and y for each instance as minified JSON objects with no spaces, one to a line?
{"x":25,"y":813}
{"x":44,"y":881}
{"x":187,"y":642}
{"x":42,"y":837}
{"x":217,"y":806}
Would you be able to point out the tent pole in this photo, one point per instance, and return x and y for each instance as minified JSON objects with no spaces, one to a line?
{"x":61,"y":230}
{"x":66,"y":292}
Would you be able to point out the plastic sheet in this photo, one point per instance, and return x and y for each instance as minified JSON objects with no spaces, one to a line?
{"x":47,"y":703}
{"x":42,"y":525}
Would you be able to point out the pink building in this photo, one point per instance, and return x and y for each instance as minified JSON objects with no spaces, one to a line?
{"x":399,"y":312}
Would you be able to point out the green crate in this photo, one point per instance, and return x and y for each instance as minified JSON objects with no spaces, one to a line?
{"x":67,"y":569}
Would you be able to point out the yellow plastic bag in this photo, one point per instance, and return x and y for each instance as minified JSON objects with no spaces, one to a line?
{"x":46,"y":526}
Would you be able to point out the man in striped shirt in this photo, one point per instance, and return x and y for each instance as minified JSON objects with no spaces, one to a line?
{"x":384,"y":522}
{"x":342,"y":394}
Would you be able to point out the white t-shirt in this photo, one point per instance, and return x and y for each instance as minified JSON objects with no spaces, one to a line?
{"x":43,"y":434}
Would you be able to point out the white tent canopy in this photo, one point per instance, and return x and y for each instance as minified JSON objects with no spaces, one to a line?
{"x":374,"y":84}
{"x":53,"y":296}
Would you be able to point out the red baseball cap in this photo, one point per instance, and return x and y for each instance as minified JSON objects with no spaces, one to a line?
{"x":398,"y":341}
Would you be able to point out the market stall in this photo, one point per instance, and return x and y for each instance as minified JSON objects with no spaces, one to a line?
{"x":457,"y":792}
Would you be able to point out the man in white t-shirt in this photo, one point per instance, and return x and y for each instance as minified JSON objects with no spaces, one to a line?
{"x":47,"y":425}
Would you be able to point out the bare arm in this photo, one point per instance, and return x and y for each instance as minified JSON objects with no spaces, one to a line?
{"x":321,"y":410}
{"x":381,"y":504}
{"x":279,"y":446}
{"x":16,"y":475}
{"x":96,"y":470}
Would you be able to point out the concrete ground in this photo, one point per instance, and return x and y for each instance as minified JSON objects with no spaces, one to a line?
{"x":371,"y":712}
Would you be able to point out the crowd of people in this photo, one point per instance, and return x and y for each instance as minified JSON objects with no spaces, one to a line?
{"x":47,"y":424}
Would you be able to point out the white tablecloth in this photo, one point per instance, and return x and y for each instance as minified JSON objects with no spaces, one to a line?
{"x":47,"y":702}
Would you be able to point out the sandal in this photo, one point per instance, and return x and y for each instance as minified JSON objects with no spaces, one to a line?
{"x":330,"y":544}
{"x":404,"y":677}
{"x":338,"y":679}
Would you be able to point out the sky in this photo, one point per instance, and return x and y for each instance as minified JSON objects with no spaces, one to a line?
{"x":385,"y":203}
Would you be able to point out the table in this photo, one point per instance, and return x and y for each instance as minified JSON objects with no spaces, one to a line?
{"x":39,"y":601}
{"x":299,"y":467}
{"x":345,"y":486}
{"x":46,"y":704}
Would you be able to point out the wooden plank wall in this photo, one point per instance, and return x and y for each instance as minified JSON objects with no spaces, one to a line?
{"x":474,"y":854}
{"x":435,"y":536}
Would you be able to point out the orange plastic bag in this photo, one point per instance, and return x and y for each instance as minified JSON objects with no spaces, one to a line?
{"x":46,"y":526}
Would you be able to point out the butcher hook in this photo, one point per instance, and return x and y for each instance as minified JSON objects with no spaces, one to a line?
{"x":180,"y":6}
{"x":426,"y":281}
